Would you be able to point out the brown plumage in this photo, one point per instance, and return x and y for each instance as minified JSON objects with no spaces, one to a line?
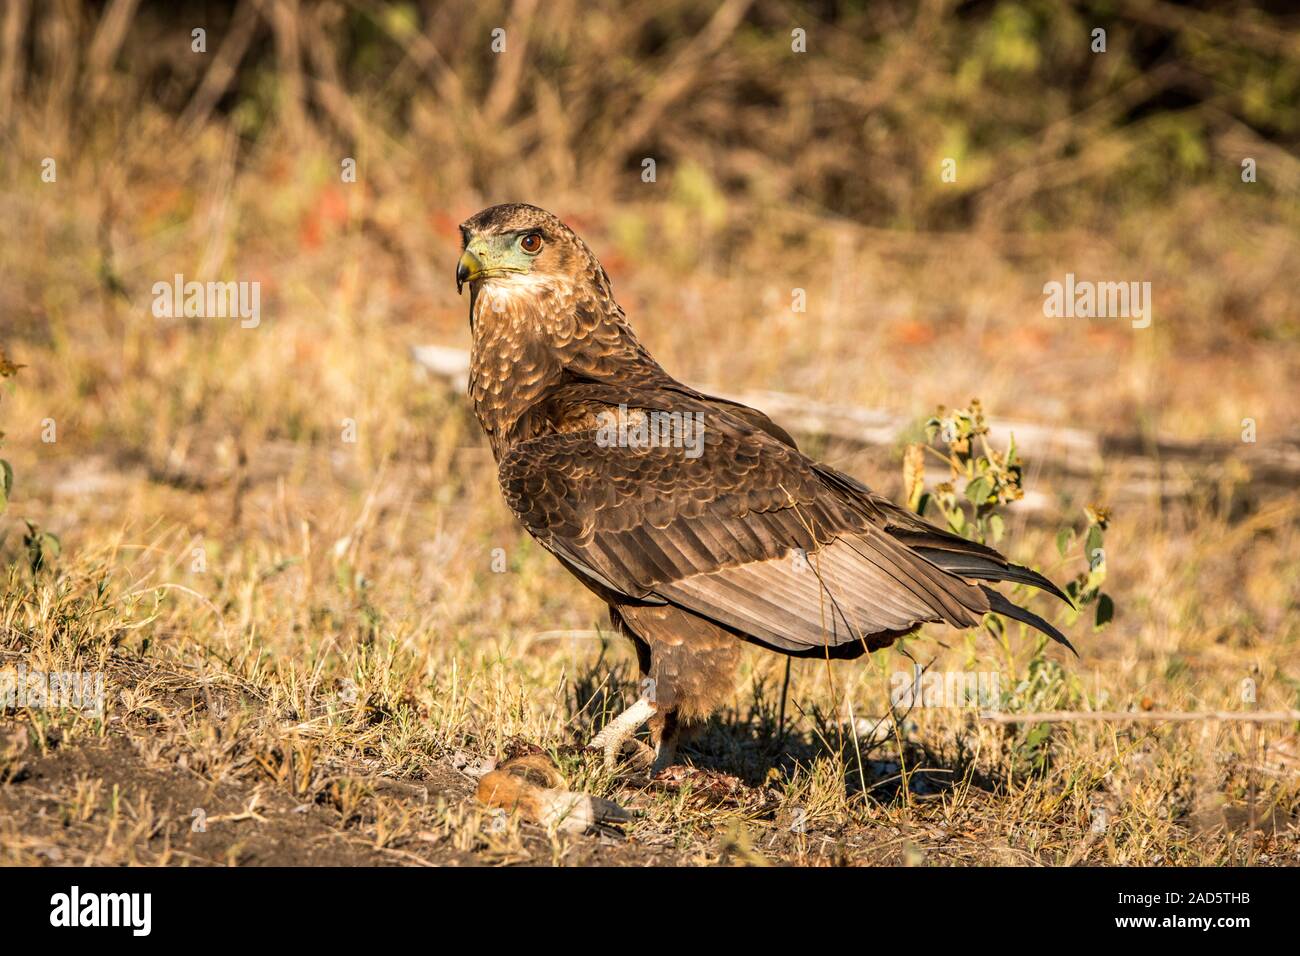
{"x":729,"y":534}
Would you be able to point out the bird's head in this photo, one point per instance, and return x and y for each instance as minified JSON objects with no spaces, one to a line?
{"x":514,"y":246}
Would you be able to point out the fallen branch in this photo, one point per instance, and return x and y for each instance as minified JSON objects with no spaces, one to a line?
{"x":1145,"y":716}
{"x":1148,"y":468}
{"x":858,"y":426}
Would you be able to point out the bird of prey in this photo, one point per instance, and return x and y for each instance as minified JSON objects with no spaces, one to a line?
{"x":699,"y":536}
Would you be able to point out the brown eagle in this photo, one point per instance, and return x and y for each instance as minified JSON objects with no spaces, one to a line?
{"x":695,"y":518}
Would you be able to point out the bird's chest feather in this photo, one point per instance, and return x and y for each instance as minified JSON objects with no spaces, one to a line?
{"x":511,"y":366}
{"x":526,"y":335}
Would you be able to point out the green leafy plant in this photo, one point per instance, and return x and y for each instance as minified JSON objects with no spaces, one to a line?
{"x":1085,"y":590}
{"x":981,"y":481}
{"x":989,"y":478}
{"x":42,"y":546}
{"x":7,"y":370}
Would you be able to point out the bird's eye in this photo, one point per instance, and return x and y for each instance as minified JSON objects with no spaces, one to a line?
{"x":531,"y":243}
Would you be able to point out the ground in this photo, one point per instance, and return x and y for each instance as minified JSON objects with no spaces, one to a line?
{"x":304,"y":636}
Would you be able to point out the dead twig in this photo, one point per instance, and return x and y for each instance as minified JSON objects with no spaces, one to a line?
{"x":1145,"y":716}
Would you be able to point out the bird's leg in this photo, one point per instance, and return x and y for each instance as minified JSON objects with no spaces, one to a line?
{"x":665,"y":740}
{"x":613,"y":734}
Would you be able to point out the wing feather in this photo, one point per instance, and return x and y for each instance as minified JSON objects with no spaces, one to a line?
{"x":715,"y":534}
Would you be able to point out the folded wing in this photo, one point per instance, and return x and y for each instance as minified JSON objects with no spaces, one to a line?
{"x":750,"y":534}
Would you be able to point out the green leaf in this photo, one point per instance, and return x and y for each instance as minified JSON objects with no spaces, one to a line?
{"x":1105,"y":611}
{"x":41,"y":547}
{"x":996,"y":527}
{"x":1037,"y":734}
{"x":1063,"y":539}
{"x":978,"y":490}
{"x":1094,"y":542}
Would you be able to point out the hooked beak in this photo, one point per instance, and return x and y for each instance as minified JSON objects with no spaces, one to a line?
{"x":468,"y":269}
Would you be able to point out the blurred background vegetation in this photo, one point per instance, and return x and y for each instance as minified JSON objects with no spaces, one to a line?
{"x":1122,"y":165}
{"x":1047,"y":134}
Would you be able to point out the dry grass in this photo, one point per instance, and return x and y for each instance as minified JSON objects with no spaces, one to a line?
{"x":304,"y":637}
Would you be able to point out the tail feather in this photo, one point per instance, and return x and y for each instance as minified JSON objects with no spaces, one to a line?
{"x":985,"y":569}
{"x":1001,"y":605}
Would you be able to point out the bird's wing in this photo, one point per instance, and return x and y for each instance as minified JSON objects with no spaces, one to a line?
{"x":950,"y":551}
{"x":750,"y":533}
